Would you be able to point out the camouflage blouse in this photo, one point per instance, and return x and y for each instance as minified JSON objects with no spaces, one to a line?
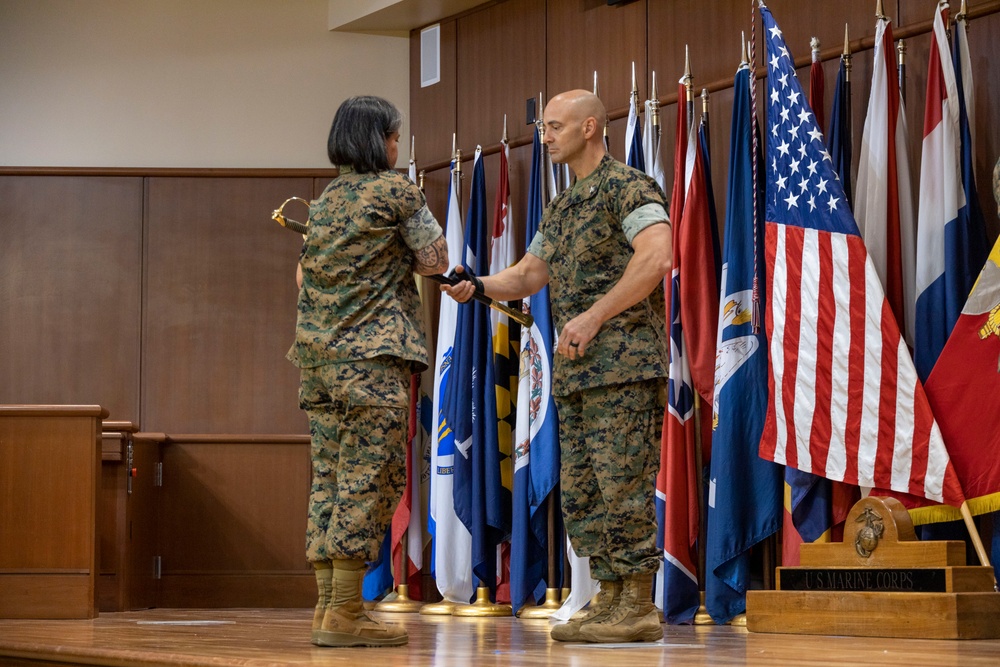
{"x":359,"y":298}
{"x":585,"y":238}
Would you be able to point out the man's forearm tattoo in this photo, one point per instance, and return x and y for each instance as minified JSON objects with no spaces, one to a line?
{"x":428,"y":256}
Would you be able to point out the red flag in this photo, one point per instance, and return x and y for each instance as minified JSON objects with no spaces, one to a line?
{"x":694,"y":258}
{"x":964,"y":392}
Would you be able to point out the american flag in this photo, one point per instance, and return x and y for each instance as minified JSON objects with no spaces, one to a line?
{"x":844,"y":399}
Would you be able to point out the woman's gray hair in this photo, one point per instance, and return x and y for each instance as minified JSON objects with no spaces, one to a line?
{"x":360,"y":128}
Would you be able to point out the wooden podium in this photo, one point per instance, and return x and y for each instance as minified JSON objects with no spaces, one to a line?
{"x":50,"y":465}
{"x":880,"y":582}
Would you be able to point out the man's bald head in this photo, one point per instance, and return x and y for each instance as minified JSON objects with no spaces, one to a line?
{"x":576,"y":106}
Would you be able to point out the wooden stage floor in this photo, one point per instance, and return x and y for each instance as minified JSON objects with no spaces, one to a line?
{"x":278,"y":637}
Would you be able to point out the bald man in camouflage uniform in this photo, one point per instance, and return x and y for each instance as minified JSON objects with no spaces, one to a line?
{"x":603,"y":247}
{"x":358,"y":339}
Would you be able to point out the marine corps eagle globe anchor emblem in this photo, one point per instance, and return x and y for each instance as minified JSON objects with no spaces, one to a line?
{"x":866,"y":539}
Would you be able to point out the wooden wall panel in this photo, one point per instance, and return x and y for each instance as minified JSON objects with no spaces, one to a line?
{"x":69,"y":291}
{"x":220,"y":305}
{"x":234,"y":510}
{"x":496,"y":78}
{"x":587,"y":35}
{"x":434,"y":109}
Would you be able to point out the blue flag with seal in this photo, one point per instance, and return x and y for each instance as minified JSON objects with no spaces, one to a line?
{"x":744,"y":496}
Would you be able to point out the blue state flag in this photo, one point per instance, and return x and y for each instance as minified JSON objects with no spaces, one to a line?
{"x":744,"y":503}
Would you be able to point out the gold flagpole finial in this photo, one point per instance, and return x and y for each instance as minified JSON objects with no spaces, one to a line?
{"x":420,"y":179}
{"x":504,"y":140}
{"x":814,"y":45}
{"x":901,"y":50}
{"x":413,"y":153}
{"x":880,"y":11}
{"x":688,"y":79}
{"x":963,"y":11}
{"x":846,"y":57}
{"x":595,"y":84}
{"x":847,"y":42}
{"x":744,"y":59}
{"x":652,"y":93}
{"x":635,"y":88}
{"x":453,"y":145}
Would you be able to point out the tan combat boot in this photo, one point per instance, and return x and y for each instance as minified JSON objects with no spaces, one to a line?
{"x":346,"y":623}
{"x":601,"y":607}
{"x":635,"y":619}
{"x":324,"y":584}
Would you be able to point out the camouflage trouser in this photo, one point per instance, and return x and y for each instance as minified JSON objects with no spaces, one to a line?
{"x":358,"y":419}
{"x":609,"y":438}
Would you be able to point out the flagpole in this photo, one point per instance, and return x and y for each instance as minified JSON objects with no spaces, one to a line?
{"x":901,"y":50}
{"x":846,"y":57}
{"x":553,"y":599}
{"x":688,"y":87}
{"x":704,"y":118}
{"x":977,"y":541}
{"x":655,"y":106}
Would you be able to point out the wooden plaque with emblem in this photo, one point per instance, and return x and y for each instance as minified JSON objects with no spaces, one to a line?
{"x":880,"y":582}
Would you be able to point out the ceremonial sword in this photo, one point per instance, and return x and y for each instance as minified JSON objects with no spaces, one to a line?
{"x":524,"y":319}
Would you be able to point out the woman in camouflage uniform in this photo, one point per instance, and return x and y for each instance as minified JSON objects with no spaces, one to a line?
{"x":358,"y":338}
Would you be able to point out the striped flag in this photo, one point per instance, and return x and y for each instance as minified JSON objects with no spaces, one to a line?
{"x":951,"y":245}
{"x":844,"y":399}
{"x":452,"y":566}
{"x":815,"y":507}
{"x":884,"y":204}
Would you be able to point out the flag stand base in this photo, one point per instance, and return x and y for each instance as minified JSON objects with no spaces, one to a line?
{"x":701,"y":616}
{"x":739,"y":621}
{"x":442,"y":608}
{"x":482,"y":607}
{"x":402,"y":604}
{"x":544,"y":610}
{"x":880,"y":582}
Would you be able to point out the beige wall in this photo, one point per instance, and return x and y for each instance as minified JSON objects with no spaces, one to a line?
{"x":182,"y":83}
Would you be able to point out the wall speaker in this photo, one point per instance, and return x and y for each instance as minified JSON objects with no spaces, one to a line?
{"x":430,"y":55}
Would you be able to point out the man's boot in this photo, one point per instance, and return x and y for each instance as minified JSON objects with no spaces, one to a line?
{"x":324,"y":584}
{"x":601,"y":607}
{"x":346,"y":623}
{"x":635,"y":619}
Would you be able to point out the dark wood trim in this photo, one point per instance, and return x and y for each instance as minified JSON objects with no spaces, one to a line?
{"x":53,"y":411}
{"x":232,"y":438}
